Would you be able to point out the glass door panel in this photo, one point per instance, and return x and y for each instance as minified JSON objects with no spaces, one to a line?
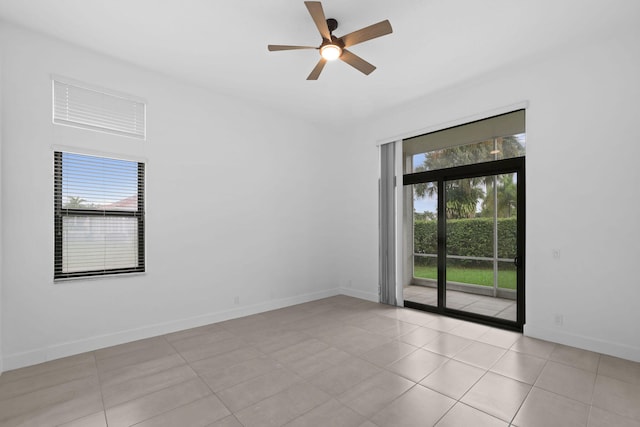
{"x":481,"y":245}
{"x":422,"y":287}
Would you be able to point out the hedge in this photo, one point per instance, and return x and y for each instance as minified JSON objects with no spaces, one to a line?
{"x":468,"y":237}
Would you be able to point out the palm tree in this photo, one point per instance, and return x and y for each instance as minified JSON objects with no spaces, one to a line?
{"x":74,"y":202}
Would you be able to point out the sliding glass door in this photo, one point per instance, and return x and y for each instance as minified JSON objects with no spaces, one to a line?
{"x":468,"y":242}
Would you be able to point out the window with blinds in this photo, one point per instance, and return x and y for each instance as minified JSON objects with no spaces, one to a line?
{"x":80,"y":106}
{"x":98,"y":215}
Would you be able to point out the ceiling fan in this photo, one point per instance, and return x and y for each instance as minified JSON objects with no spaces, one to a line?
{"x":333,"y":47}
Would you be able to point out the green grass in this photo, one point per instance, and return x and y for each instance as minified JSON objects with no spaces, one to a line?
{"x":476,"y":276}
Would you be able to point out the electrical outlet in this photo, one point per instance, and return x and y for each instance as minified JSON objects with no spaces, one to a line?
{"x":556,"y":253}
{"x":559,"y":319}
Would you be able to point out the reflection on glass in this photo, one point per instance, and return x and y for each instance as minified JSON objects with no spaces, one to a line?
{"x":423,"y":287}
{"x":481,"y":245}
{"x":485,"y":151}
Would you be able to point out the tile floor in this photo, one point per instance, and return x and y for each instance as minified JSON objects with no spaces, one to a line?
{"x":339,"y":361}
{"x":489,"y":306}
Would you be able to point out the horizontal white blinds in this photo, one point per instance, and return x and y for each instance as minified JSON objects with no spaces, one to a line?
{"x":97,"y":110}
{"x":99,"y":216}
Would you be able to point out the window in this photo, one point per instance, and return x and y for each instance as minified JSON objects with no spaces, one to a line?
{"x":98,"y":216}
{"x":79,"y":105}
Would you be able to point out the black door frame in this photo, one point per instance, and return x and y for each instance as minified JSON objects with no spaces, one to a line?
{"x":439,"y":176}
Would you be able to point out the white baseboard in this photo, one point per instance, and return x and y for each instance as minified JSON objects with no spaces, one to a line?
{"x":583,"y":342}
{"x":369,"y":296}
{"x":33,"y":357}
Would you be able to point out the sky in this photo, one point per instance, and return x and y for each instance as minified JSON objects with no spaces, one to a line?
{"x":98,"y":180}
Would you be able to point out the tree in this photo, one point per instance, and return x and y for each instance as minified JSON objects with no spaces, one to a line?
{"x":507,"y":197}
{"x":463,"y":195}
{"x":74,"y":202}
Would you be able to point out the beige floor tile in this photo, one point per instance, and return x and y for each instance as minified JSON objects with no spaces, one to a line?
{"x":463,"y":415}
{"x":254,"y":390}
{"x":48,"y":398}
{"x":499,"y":337}
{"x":519,"y":366}
{"x":366,"y":356}
{"x":374,"y":323}
{"x":128,"y":390}
{"x":419,"y":336}
{"x":480,"y":354}
{"x":469,"y":330}
{"x":567,"y":381}
{"x":199,"y":413}
{"x":157,"y":403}
{"x":417,"y":407}
{"x":212,"y":349}
{"x":575,"y":357}
{"x":358,"y":343}
{"x":279,"y":341}
{"x":229,"y":421}
{"x":46,"y":367}
{"x":388,"y":353}
{"x":201,"y":340}
{"x":315,"y":363}
{"x":81,"y":405}
{"x":94,"y":420}
{"x":534,"y":347}
{"x":411,"y":316}
{"x":300,"y":350}
{"x":157,"y":349}
{"x":188,"y":333}
{"x":50,"y":378}
{"x":444,"y":324}
{"x":447,"y":345}
{"x":543,"y":408}
{"x":398,"y":329}
{"x":142,"y":369}
{"x":617,"y":396}
{"x":417,"y":365}
{"x":340,"y":378}
{"x":453,"y":378}
{"x":130,"y":347}
{"x":372,"y":394}
{"x":331,"y":413}
{"x":225,"y":360}
{"x":226,"y":377}
{"x":601,"y":418}
{"x":620,"y":369}
{"x":497,"y":395}
{"x":283,"y":407}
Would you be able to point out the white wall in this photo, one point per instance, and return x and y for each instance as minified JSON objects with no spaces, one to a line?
{"x":582,"y":191}
{"x":232,"y":193}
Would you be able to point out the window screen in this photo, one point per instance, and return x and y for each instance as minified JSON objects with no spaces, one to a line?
{"x":99,"y":216}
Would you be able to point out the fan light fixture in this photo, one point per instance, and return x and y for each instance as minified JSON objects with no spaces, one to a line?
{"x":330,"y":52}
{"x":333,"y":47}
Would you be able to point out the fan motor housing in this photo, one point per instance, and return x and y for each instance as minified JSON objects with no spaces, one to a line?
{"x":332,"y":24}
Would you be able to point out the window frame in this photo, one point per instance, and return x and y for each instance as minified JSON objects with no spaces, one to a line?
{"x":60,"y":213}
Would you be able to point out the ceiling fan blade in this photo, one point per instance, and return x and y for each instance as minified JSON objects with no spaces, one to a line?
{"x":276,"y":47}
{"x":317,"y":70}
{"x":356,"y":62}
{"x":367,"y":33}
{"x":316,"y":12}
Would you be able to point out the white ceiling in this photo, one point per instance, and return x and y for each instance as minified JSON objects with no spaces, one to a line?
{"x":222,"y":44}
